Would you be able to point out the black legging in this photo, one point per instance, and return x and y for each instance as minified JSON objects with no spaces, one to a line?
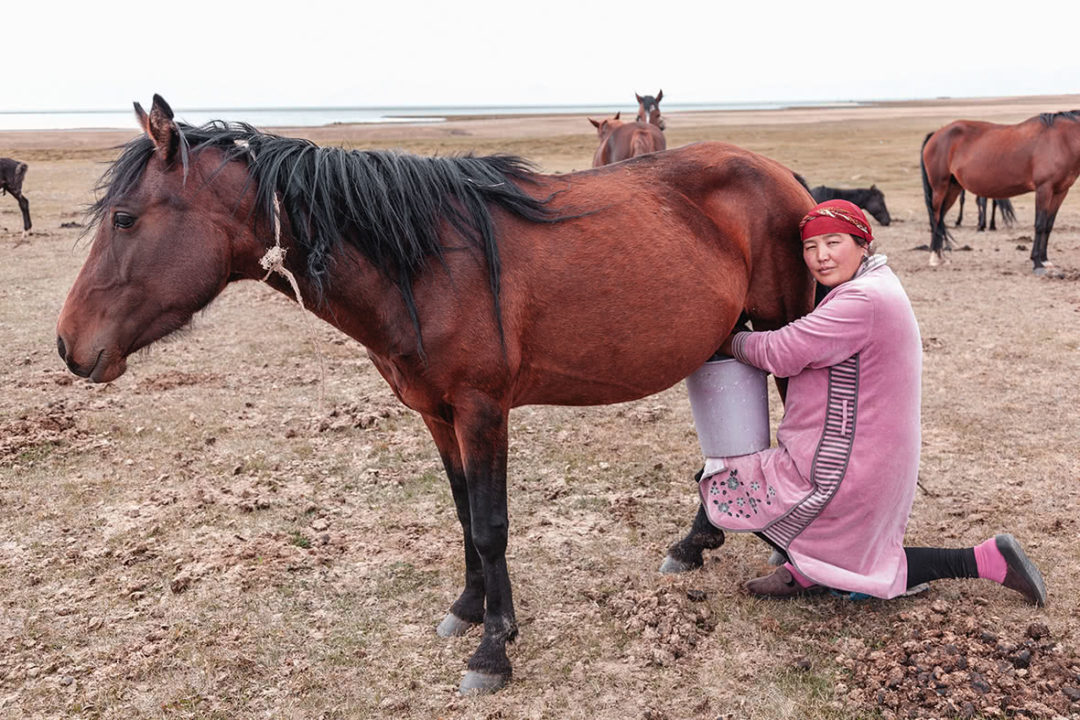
{"x":927,"y":563}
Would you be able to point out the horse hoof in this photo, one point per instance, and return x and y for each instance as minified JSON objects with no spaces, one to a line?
{"x":777,"y":559}
{"x":453,"y":626}
{"x":478,"y":683}
{"x":673,"y":566}
{"x":934,"y":260}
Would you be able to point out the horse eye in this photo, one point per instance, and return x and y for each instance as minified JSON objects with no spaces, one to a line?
{"x":123,"y":220}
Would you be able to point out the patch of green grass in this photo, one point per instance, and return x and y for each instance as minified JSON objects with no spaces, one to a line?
{"x":300,"y":540}
{"x":35,"y":453}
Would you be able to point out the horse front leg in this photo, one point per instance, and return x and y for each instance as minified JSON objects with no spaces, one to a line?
{"x":480,"y":424}
{"x":1047,"y":204}
{"x":468,"y":609}
{"x":980,"y":203}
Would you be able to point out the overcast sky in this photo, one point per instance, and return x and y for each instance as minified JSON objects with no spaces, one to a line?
{"x":264,"y":53}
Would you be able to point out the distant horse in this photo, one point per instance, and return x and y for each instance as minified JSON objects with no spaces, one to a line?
{"x":622,"y":140}
{"x":1008,"y":214}
{"x":869,"y":199}
{"x":12,"y":174}
{"x":475,"y":284}
{"x":1000,"y":161}
{"x":649,"y":109}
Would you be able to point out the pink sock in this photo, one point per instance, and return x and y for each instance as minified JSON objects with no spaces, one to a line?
{"x":801,"y":579}
{"x":990,"y":561}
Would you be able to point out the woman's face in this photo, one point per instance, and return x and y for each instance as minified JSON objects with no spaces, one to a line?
{"x":832,"y":258}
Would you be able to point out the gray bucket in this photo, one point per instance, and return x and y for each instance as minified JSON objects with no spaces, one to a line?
{"x":730,"y":402}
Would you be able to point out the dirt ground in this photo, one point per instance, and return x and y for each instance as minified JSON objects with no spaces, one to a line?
{"x":248,"y":525}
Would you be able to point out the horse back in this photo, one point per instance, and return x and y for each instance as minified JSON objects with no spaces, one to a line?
{"x":664,"y":254}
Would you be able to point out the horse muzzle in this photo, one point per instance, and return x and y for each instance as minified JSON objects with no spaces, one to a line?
{"x":99,"y":368}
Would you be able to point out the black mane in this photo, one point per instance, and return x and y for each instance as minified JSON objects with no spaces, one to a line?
{"x":1049,"y":118}
{"x":388,"y":205}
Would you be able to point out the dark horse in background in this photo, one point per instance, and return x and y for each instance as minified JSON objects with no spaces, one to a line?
{"x":1008,"y":214}
{"x":12,"y":174}
{"x":996,"y":161}
{"x":869,"y":199}
{"x":622,"y":140}
{"x":475,"y":284}
{"x":649,"y":109}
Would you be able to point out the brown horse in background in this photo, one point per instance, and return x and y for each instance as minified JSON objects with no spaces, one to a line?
{"x":649,"y":109}
{"x":475,"y":284}
{"x":622,"y":140}
{"x":12,"y":174}
{"x":999,"y":161}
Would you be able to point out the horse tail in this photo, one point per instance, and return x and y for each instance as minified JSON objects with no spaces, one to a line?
{"x":17,"y":179}
{"x":939,"y":234}
{"x":1008,"y":214}
{"x":928,"y":192}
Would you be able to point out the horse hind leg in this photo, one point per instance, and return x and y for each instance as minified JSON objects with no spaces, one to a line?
{"x":686,"y":554}
{"x":980,"y":202}
{"x":940,"y":237}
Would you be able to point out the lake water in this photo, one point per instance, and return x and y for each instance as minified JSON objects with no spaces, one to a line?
{"x":313,"y":117}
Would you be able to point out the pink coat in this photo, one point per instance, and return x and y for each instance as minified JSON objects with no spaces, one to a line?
{"x":837,"y":490}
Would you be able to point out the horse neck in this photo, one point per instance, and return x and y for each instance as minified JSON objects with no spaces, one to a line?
{"x":354,"y":297}
{"x":1069,"y":129}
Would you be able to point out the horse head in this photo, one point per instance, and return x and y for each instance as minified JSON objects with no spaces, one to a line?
{"x":649,"y":109}
{"x":606,"y":126}
{"x":167,"y":242}
{"x":875,"y":205}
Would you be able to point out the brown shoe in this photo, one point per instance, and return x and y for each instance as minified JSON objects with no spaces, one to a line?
{"x":1021,"y":574}
{"x":780,"y":583}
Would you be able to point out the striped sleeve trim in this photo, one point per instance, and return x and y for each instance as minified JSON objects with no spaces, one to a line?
{"x":737,"y":344}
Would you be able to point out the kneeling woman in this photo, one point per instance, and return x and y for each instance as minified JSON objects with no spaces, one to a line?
{"x":835,"y":495}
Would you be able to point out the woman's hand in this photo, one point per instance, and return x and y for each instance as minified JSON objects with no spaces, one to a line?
{"x":725,"y":347}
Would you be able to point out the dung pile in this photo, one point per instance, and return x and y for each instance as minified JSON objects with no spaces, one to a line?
{"x":938,"y":663}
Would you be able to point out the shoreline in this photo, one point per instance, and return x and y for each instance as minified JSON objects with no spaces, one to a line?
{"x":467,"y":129}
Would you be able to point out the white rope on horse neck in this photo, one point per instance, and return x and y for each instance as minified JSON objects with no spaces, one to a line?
{"x":273,"y":261}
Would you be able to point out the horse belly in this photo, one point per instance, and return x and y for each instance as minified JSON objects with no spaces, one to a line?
{"x":640,"y":323}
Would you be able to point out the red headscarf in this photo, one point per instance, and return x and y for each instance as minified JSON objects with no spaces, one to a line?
{"x":837,"y":216}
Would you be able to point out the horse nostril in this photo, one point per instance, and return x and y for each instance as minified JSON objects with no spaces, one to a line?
{"x":60,"y":347}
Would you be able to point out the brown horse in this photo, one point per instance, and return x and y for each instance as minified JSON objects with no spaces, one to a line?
{"x":12,"y":174}
{"x":475,"y":284}
{"x":622,"y":140}
{"x":649,"y":109}
{"x":1000,"y":161}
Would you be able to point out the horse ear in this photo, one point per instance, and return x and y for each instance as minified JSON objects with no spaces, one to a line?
{"x":659,"y":96}
{"x":162,"y":130}
{"x":595,"y":123}
{"x":140,"y":116}
{"x":873,"y":187}
{"x":618,"y":114}
{"x":639,"y":98}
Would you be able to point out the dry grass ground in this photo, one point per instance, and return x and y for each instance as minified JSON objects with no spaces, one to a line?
{"x":248,"y":525}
